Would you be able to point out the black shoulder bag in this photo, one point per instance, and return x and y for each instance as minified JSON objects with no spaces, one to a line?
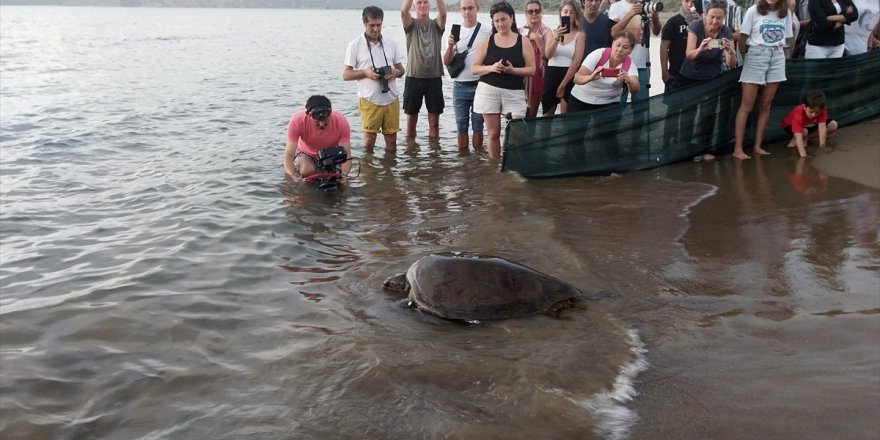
{"x":457,"y":64}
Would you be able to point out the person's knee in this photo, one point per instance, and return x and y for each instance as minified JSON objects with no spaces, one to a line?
{"x":832,"y":126}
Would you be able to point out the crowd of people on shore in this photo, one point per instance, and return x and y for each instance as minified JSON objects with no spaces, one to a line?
{"x":596,"y":57}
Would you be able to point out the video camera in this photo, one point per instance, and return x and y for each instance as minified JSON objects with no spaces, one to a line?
{"x":382,"y":72}
{"x":330,"y":157}
{"x":649,"y":7}
{"x":328,"y":175}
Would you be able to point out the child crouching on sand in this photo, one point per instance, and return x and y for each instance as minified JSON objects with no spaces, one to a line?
{"x":806,"y":116}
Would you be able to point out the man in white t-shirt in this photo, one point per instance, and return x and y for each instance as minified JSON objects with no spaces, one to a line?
{"x":464,"y":85}
{"x":627,"y":14}
{"x":375,"y":63}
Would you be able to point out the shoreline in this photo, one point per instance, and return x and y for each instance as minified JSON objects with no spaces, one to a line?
{"x":855,"y":155}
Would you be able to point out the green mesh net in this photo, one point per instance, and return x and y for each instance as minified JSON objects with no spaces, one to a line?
{"x":687,"y":122}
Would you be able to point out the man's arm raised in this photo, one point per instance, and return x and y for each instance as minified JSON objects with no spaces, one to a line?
{"x":405,"y":16}
{"x":441,"y":14}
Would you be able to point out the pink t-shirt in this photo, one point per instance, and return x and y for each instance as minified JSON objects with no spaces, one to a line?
{"x":309,"y":138}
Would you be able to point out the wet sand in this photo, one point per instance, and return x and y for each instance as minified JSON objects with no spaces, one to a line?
{"x":778,"y":346}
{"x":856,"y":156}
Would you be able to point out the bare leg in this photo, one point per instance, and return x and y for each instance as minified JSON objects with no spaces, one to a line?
{"x":493,"y":126}
{"x":390,"y":142}
{"x":550,"y":111}
{"x":747,"y":101}
{"x":411,"y":121}
{"x":369,"y":141}
{"x":563,"y":106}
{"x":478,"y":141}
{"x":462,"y":139}
{"x":764,"y":115}
{"x":433,"y":125}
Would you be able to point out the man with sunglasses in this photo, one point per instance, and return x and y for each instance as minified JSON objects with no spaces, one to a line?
{"x":311,"y":129}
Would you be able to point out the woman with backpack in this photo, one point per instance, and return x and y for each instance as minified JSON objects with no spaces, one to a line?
{"x":603,"y":75}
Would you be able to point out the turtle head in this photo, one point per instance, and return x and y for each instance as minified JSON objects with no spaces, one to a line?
{"x":396,"y":284}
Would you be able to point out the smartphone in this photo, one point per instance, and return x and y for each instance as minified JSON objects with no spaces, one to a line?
{"x":566,"y":23}
{"x":456,"y":31}
{"x":609,"y":73}
{"x":716,"y":44}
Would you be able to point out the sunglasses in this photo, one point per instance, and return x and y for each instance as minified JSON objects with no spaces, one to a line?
{"x":533,"y":11}
{"x":319,"y":113}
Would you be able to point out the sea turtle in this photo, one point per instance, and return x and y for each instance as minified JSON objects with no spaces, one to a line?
{"x":469,"y":287}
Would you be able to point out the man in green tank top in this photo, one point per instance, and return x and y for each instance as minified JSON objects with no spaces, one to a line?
{"x":424,"y":64}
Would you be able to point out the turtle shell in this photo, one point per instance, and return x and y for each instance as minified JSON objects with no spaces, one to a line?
{"x":475,"y":287}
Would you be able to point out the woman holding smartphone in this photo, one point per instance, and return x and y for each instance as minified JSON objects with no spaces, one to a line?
{"x":599,"y":85}
{"x":564,"y":54}
{"x":709,"y":45}
{"x":501,"y":62}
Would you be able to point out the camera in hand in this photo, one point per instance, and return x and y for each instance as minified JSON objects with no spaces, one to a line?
{"x":328,"y":175}
{"x":649,"y":7}
{"x":330,"y":157}
{"x":382,"y":72}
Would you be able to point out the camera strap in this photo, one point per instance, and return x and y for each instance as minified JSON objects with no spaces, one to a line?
{"x":473,"y":37}
{"x":370,"y":50}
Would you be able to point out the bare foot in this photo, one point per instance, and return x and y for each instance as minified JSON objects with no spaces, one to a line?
{"x":791,"y":145}
{"x":761,"y":151}
{"x":741,"y":156}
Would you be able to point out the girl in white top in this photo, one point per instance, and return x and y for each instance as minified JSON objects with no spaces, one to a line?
{"x":595,"y":88}
{"x":564,"y":52}
{"x":765,"y":27}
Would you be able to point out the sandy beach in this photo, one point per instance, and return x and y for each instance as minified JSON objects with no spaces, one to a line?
{"x":856,"y":154}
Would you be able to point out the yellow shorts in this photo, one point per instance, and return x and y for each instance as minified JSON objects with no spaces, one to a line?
{"x":379,"y":118}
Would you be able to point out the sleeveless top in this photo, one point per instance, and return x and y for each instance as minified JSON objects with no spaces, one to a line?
{"x":564,"y":53}
{"x":512,"y":55}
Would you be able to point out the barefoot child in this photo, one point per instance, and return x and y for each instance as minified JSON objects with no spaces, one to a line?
{"x":808,"y":115}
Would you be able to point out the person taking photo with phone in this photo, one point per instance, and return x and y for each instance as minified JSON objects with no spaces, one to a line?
{"x":564,"y":54}
{"x":709,"y":46}
{"x":464,"y":85}
{"x":603,"y":73}
{"x":375,"y":63}
{"x":424,"y":64}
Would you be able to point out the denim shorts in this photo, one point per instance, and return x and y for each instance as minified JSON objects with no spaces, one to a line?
{"x":463,"y":104}
{"x":763,"y":65}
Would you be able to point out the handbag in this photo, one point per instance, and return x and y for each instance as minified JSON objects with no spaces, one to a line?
{"x":456,"y":66}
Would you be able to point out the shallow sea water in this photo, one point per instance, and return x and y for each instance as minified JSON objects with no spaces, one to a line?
{"x":161,"y":279}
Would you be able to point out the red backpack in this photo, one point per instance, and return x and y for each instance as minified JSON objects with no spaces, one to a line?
{"x":606,"y":55}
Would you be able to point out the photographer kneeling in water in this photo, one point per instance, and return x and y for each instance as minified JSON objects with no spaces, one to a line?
{"x":312,"y":129}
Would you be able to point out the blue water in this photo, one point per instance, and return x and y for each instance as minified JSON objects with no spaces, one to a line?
{"x":161,"y":279}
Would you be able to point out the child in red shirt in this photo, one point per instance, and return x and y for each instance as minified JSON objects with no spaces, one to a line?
{"x":808,"y":115}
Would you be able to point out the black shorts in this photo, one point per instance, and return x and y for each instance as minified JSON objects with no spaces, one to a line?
{"x":553,"y":76}
{"x":431,"y":89}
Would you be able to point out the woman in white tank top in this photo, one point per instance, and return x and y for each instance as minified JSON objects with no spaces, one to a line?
{"x":564,"y":53}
